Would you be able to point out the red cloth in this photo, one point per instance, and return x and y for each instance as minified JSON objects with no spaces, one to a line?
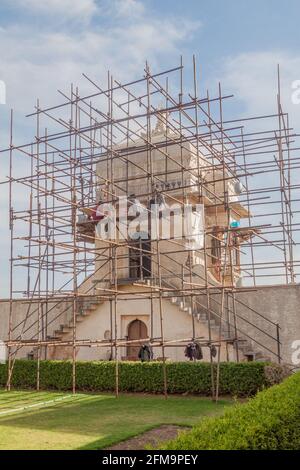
{"x":96,"y":215}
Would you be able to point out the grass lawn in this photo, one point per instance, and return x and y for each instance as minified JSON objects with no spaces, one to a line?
{"x":32,"y":420}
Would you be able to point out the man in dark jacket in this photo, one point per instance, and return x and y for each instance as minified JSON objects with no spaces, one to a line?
{"x":145,"y":353}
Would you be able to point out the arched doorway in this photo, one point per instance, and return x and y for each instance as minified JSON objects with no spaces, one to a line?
{"x":136,"y":330}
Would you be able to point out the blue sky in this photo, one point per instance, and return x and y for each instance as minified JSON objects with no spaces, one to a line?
{"x":47,"y":44}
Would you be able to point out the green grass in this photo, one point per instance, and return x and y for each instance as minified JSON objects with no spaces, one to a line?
{"x":87,"y":421}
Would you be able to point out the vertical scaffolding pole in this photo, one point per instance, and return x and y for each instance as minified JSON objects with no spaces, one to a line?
{"x":11,"y":229}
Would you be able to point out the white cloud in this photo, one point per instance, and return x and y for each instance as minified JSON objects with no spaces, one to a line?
{"x":129,"y":8}
{"x":39,"y":57}
{"x":36,"y":62}
{"x":252,"y":77}
{"x":83,"y":9}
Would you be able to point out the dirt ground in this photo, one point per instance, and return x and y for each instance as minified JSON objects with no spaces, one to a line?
{"x":153,"y":437}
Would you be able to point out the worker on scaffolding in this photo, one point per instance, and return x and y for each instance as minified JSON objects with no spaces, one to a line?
{"x":95,"y":213}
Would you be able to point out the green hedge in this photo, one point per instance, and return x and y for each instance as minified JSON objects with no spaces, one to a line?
{"x":241,"y":379}
{"x":269,"y":421}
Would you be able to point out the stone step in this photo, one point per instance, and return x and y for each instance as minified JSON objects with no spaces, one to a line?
{"x":85,"y":312}
{"x":184,"y":309}
{"x":66,"y":328}
{"x":213,"y":325}
{"x":93,"y":307}
{"x":79,"y":317}
{"x":59,"y":333}
{"x":202,"y":316}
{"x":244,"y":346}
{"x":87,"y":306}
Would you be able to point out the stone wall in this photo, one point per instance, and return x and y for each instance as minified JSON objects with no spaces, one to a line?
{"x":279,"y":304}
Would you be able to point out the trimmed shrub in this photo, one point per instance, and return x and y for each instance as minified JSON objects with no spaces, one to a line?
{"x":240,"y":379}
{"x":269,"y":421}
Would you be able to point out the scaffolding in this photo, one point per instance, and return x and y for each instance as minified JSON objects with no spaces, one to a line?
{"x":173,"y":144}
